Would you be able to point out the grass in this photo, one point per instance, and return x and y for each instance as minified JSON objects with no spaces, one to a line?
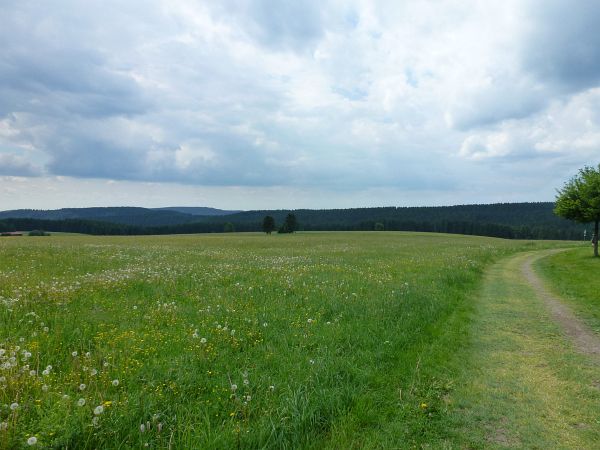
{"x":315,"y":340}
{"x":523,"y":385}
{"x":575,"y":276}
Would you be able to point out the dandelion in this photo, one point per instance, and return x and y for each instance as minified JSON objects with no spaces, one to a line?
{"x":98,"y":410}
{"x":32,"y":440}
{"x":309,"y":320}
{"x":82,"y":387}
{"x":14,"y":406}
{"x":45,"y":372}
{"x":96,"y":421}
{"x":115,"y":382}
{"x":423,"y":405}
{"x":246,"y":382}
{"x":234,"y":387}
{"x":265,"y":324}
{"x":142,"y":428}
{"x":203,"y":341}
{"x":87,"y":355}
{"x":46,"y":329}
{"x":45,"y":388}
{"x":74,"y":354}
{"x":312,"y":361}
{"x":81,"y":402}
{"x":271,"y":388}
{"x":32,"y":373}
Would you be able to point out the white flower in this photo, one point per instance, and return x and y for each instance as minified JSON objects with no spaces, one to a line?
{"x":115,"y":382}
{"x":46,"y":329}
{"x":87,"y":355}
{"x":81,"y":402}
{"x":309,"y":320}
{"x":14,"y":406}
{"x":82,"y":387}
{"x":96,"y":421}
{"x":45,"y":372}
{"x":74,"y":354}
{"x":271,"y":388}
{"x":234,"y":387}
{"x":265,"y":324}
{"x":312,"y":361}
{"x":203,"y":341}
{"x":246,"y":382}
{"x":32,"y":373}
{"x":93,"y":372}
{"x":32,"y":440}
{"x":48,"y":367}
{"x":98,"y":410}
{"x":142,"y":428}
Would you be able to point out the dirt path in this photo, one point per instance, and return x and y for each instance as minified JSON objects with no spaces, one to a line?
{"x":584,"y":339}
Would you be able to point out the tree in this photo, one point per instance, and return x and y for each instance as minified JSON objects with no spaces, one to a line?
{"x":379,"y":226}
{"x":228,"y":228}
{"x":291,"y":224}
{"x":268,"y":224}
{"x":579,"y":199}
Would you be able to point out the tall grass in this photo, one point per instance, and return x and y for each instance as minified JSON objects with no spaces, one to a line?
{"x":312,"y":340}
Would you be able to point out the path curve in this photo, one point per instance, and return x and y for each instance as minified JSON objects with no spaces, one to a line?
{"x":584,"y":339}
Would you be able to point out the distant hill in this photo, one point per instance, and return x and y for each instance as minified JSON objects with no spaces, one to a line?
{"x":507,"y":220}
{"x":198,"y":210}
{"x":127,"y":215}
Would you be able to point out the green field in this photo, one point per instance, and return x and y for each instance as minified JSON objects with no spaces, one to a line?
{"x":313,"y":340}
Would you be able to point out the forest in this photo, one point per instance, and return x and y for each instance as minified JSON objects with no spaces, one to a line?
{"x":505,"y":220}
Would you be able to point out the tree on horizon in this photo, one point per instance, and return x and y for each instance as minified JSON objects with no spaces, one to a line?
{"x":268,"y":224}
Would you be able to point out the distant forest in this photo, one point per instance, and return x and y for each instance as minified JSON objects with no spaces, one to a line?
{"x":505,"y":220}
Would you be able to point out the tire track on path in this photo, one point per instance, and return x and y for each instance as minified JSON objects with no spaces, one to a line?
{"x":584,"y":339}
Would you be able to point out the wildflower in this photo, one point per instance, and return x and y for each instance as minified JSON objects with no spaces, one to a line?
{"x":271,"y":388}
{"x":14,"y":406}
{"x":98,"y":410}
{"x":203,"y":341}
{"x":96,"y":421}
{"x":115,"y":382}
{"x":32,"y":373}
{"x":234,"y":387}
{"x":93,"y":372}
{"x":423,"y":405}
{"x":309,"y":320}
{"x":46,"y":329}
{"x":87,"y":355}
{"x":265,"y":324}
{"x":312,"y":361}
{"x":82,"y":387}
{"x":246,"y":382}
{"x":32,"y":440}
{"x":74,"y":354}
{"x":81,"y":402}
{"x":142,"y":428}
{"x":45,"y":372}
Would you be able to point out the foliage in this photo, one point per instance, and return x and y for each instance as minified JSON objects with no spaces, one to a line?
{"x":324,"y":340}
{"x":579,"y":199}
{"x":228,"y":227}
{"x":379,"y":226}
{"x":268,"y":225}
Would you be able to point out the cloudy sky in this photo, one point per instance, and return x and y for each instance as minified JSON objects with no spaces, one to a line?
{"x":287,"y":103}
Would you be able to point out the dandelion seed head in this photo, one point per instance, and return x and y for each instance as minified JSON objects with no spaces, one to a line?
{"x":81,"y":402}
{"x":32,"y":440}
{"x":98,"y":410}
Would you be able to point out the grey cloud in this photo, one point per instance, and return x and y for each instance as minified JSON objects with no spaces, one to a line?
{"x":18,"y":166}
{"x":563,"y":46}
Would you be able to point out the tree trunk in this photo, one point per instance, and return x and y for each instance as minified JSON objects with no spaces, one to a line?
{"x":596,"y":238}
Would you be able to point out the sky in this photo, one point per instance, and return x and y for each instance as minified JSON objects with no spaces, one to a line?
{"x":262,"y":104}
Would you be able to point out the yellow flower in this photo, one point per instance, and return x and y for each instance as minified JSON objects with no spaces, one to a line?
{"x":423,"y":405}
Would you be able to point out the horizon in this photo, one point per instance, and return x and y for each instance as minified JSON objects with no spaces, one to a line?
{"x":252,"y":105}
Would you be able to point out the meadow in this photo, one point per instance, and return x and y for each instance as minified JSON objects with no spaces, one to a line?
{"x":312,"y":340}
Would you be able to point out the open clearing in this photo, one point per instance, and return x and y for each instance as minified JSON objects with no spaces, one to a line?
{"x":316,"y":340}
